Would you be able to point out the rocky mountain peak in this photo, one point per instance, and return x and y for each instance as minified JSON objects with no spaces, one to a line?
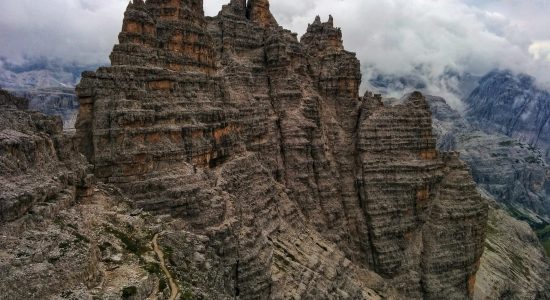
{"x":173,"y":10}
{"x":230,"y":160}
{"x":258,"y":12}
{"x":136,"y":3}
{"x":238,"y":7}
{"x":323,"y":35}
{"x":514,"y":105}
{"x":248,"y":136}
{"x":165,"y":34}
{"x":317,"y":20}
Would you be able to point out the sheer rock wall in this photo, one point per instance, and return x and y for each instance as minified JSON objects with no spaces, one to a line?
{"x":288,"y":183}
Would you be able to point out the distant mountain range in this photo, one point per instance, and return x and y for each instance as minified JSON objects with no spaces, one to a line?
{"x":512,"y":104}
{"x":504,"y":136}
{"x":48,"y":84}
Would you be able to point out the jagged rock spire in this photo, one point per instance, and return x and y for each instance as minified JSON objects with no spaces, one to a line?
{"x":174,"y":10}
{"x":323,"y":36}
{"x":235,"y":7}
{"x":317,"y":20}
{"x":138,"y":26}
{"x":239,"y":5}
{"x":258,"y":11}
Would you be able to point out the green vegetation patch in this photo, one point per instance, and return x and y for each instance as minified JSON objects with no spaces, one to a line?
{"x":186,"y":293}
{"x":544,"y":236}
{"x":544,"y":233}
{"x":133,"y":245}
{"x":153,"y":268}
{"x":546,"y":245}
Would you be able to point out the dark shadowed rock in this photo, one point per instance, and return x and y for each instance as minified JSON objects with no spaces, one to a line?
{"x":9,"y":100}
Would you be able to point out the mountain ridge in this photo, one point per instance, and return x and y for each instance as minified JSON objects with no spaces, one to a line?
{"x":225,"y":156}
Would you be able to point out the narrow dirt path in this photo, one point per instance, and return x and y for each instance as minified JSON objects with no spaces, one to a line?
{"x":174,"y":291}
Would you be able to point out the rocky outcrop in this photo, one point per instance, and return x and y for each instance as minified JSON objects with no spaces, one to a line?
{"x":420,"y":204}
{"x":95,"y":247}
{"x":514,"y":265}
{"x":10,"y":101}
{"x":38,"y":163}
{"x":285,"y":182}
{"x":515,"y":174}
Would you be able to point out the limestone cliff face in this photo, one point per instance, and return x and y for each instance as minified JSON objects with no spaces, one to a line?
{"x":286,"y":182}
{"x":514,"y":265}
{"x":38,"y":163}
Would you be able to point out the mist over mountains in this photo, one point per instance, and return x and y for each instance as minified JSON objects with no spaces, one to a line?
{"x":40,"y":72}
{"x":229,"y":158}
{"x":412,"y":44}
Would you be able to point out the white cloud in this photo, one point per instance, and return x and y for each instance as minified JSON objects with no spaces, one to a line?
{"x":540,"y":50}
{"x":73,"y":30}
{"x":424,"y":38}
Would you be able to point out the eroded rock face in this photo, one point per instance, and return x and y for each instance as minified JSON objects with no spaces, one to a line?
{"x":38,"y":163}
{"x":514,"y":265}
{"x":9,"y":100}
{"x":420,"y":205}
{"x":286,"y":182}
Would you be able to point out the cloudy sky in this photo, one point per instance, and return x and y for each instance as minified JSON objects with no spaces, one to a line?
{"x":398,"y":37}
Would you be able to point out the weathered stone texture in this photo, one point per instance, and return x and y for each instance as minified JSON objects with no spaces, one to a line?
{"x":425,"y":218}
{"x":286,"y":182}
{"x":38,"y":163}
{"x":6,"y":99}
{"x":514,"y":265}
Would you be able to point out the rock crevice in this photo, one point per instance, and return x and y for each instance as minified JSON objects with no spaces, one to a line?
{"x":231,"y":124}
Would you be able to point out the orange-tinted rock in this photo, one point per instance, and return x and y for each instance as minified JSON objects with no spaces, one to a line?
{"x":260,"y":144}
{"x":258,"y":12}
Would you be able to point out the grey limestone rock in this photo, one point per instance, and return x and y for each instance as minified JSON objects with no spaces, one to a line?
{"x":286,"y":181}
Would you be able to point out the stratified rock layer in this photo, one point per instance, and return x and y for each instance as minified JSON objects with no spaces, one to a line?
{"x":287,"y":183}
{"x":513,"y":265}
{"x":38,"y":163}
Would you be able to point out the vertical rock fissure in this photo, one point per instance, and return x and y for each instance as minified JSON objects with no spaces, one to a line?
{"x":540,"y":129}
{"x":360,"y":191}
{"x":278,"y":122}
{"x":514,"y":121}
{"x":237,"y":289}
{"x":362,"y":198}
